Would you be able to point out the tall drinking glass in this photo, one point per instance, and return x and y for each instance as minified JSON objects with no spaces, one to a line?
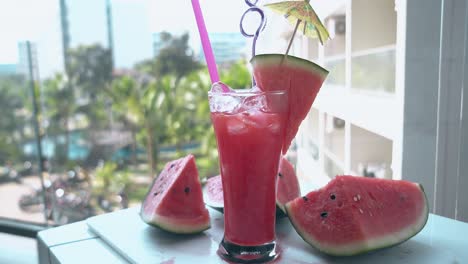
{"x":249,"y":128}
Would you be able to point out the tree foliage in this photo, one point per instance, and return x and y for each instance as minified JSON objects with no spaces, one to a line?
{"x":142,"y":104}
{"x":175,"y":58}
{"x":89,"y":77}
{"x":15,"y":117}
{"x":90,"y":68}
{"x":162,"y":101}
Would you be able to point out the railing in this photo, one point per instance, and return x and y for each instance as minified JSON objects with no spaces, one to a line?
{"x":337,"y":67}
{"x":373,"y":70}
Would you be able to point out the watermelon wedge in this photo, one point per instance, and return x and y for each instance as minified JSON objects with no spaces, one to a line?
{"x":214,"y":193}
{"x":353,"y":215}
{"x":175,"y":200}
{"x":301,"y":78}
{"x":287,"y":189}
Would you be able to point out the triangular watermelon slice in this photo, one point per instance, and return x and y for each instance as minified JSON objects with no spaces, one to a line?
{"x":353,"y":215}
{"x":175,"y":200}
{"x":301,"y":78}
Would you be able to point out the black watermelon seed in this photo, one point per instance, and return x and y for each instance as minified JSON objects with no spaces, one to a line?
{"x":280,"y":175}
{"x":324,"y":214}
{"x":187,"y":189}
{"x":305,"y":198}
{"x":156,"y":193}
{"x":333,"y":197}
{"x":172,"y":165}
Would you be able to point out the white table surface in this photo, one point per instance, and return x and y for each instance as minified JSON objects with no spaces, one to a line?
{"x":74,"y":243}
{"x":441,"y":241}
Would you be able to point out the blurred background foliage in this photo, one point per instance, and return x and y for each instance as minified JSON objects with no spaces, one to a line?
{"x":121,"y":127}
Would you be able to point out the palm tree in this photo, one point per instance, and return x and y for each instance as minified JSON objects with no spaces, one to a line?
{"x":237,"y":75}
{"x":201,"y":129}
{"x":141,"y":102}
{"x":90,"y":75}
{"x":14,"y":101}
{"x":59,"y":108}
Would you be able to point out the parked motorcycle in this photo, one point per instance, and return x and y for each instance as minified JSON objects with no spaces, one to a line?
{"x":67,"y":199}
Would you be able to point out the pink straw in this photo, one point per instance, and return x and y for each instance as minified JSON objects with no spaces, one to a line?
{"x":206,"y":44}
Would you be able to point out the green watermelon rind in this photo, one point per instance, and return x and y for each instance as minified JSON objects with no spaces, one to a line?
{"x":368,"y":246}
{"x":168,"y":225}
{"x":269,"y":59}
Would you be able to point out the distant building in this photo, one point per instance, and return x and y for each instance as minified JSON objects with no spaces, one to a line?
{"x":228,"y":47}
{"x":158,"y":42}
{"x":7,"y":69}
{"x":23,"y":60}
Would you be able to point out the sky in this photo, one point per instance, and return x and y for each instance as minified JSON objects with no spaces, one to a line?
{"x":134,"y":21}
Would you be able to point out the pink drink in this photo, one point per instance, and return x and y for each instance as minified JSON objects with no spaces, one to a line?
{"x":249,"y":144}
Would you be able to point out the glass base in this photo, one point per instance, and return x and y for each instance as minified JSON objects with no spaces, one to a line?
{"x":247,"y":254}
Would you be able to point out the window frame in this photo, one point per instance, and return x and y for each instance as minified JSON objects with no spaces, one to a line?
{"x":21,"y":228}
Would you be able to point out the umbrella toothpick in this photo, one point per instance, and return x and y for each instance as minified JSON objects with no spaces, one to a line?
{"x":291,"y":40}
{"x":297,"y":12}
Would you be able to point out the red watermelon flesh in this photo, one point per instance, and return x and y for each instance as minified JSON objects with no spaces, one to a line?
{"x":214,"y":193}
{"x":175,"y":200}
{"x":352,"y":215}
{"x":287,"y":188}
{"x":301,"y":78}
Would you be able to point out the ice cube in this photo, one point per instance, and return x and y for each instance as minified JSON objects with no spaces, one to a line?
{"x":220,"y":101}
{"x":252,"y":118}
{"x":219,"y":87}
{"x":253,"y":103}
{"x":223,"y":104}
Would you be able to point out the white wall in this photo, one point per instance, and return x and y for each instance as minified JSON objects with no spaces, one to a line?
{"x":335,"y":46}
{"x":334,"y":139}
{"x":369,"y":147}
{"x":312,"y":125}
{"x":373,"y":23}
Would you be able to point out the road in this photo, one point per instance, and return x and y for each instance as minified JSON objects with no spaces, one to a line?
{"x":10,"y":194}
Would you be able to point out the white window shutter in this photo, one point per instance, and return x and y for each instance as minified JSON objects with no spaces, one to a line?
{"x":452,"y":60}
{"x":435,"y":132}
{"x":461,"y":212}
{"x":421,"y":49}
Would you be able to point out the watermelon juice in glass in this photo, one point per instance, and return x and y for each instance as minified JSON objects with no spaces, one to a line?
{"x":249,"y":128}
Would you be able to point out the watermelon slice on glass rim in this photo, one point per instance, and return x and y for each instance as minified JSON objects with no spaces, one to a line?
{"x":301,"y":78}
